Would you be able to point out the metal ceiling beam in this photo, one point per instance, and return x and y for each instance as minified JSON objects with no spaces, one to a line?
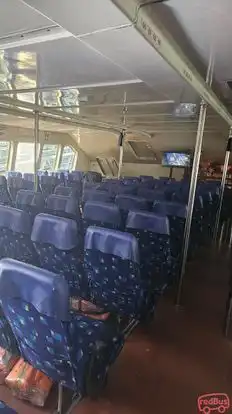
{"x":148,"y":25}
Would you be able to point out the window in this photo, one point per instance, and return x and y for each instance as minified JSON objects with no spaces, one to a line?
{"x":67,"y":159}
{"x":4,"y":153}
{"x":48,"y":157}
{"x":25,"y":157}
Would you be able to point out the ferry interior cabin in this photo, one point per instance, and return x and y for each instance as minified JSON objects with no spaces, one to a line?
{"x":115,"y":206}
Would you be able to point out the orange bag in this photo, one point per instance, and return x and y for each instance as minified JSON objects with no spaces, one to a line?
{"x":28,"y":383}
{"x":7,"y":361}
{"x":88,"y":309}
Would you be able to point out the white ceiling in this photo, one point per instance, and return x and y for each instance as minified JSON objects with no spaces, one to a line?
{"x":103,"y":56}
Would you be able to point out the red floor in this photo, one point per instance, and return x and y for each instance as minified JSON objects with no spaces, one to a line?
{"x":163,"y":369}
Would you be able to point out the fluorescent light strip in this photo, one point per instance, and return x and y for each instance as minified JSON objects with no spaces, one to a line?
{"x":36,"y":36}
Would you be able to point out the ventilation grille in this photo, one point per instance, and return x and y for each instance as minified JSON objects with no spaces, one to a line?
{"x":142,"y":150}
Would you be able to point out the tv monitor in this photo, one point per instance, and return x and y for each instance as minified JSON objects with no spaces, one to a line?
{"x":176,"y":159}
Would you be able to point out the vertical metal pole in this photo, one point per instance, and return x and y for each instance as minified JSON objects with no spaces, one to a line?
{"x":36,"y":141}
{"x":222,"y":189}
{"x":122,"y":136}
{"x":193,"y":183}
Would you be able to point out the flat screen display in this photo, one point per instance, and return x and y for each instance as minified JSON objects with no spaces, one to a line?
{"x":176,"y":159}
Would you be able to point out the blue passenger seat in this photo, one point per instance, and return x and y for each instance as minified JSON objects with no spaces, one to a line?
{"x":60,"y":249}
{"x":30,"y":201}
{"x":128,"y":202}
{"x":153,"y":234}
{"x":112,"y":265}
{"x":96,"y":195}
{"x":5,"y":198}
{"x":63,"y":191}
{"x":70,"y":348}
{"x":15,"y":232}
{"x":101,"y":214}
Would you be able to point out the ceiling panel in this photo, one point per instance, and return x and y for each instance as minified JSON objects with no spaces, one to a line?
{"x":131,"y":51}
{"x":81,"y":16}
{"x":68,"y":62}
{"x":17,"y":17}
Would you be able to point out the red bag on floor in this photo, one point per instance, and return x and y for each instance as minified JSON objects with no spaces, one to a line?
{"x":28,"y":383}
{"x":7,"y":361}
{"x":88,"y":309}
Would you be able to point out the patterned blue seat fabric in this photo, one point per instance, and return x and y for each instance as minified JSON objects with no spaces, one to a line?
{"x":102,"y":215}
{"x":52,"y":339}
{"x":15,"y":231}
{"x":153,"y":235}
{"x":96,"y":195}
{"x":14,"y":184}
{"x":4,"y":409}
{"x":67,"y":207}
{"x":5,"y":197}
{"x":127,"y":202}
{"x":63,"y":191}
{"x":112,"y":266}
{"x":176,"y":213}
{"x":48,"y":184}
{"x":58,"y":246}
{"x":30,"y":201}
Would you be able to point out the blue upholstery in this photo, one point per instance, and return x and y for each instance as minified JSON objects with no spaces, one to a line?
{"x":48,"y":184}
{"x":63,"y":206}
{"x":130,"y":189}
{"x":15,"y":230}
{"x":96,"y":195}
{"x":28,"y":177}
{"x":59,"y":343}
{"x":153,"y":235}
{"x":63,"y":191}
{"x":112,"y":267}
{"x":14,"y":185}
{"x":127,"y":202}
{"x":5,"y":197}
{"x":76,"y":175}
{"x":93,"y":177}
{"x":167,"y":208}
{"x":4,"y":409}
{"x":59,"y":247}
{"x":101,"y":214}
{"x":30,"y":201}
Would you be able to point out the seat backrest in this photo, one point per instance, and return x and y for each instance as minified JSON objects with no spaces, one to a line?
{"x":14,"y":185}
{"x":28,"y":177}
{"x":63,"y":206}
{"x":96,"y":195}
{"x":60,"y":248}
{"x":5,"y":198}
{"x":48,"y":184}
{"x":112,"y":264}
{"x":63,"y":191}
{"x":127,"y":202}
{"x":36,"y":304}
{"x":15,"y":231}
{"x":169,"y":208}
{"x":101,"y":214}
{"x":30,"y":201}
{"x":153,"y":234}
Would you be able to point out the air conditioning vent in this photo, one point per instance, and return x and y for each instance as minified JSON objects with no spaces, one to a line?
{"x":142,"y":150}
{"x":185,"y":110}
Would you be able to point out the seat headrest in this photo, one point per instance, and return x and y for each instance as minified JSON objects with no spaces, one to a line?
{"x":58,"y":231}
{"x":62,"y":203}
{"x":30,"y":198}
{"x":63,"y":191}
{"x":47,"y":179}
{"x":3,"y":181}
{"x":145,"y":178}
{"x":76,"y":175}
{"x":166,"y":208}
{"x":147,"y":193}
{"x":15,"y":220}
{"x":104,"y":212}
{"x":46,"y":291}
{"x":141,"y":220}
{"x":96,"y":195}
{"x":117,"y":243}
{"x":128,"y":202}
{"x":28,"y":176}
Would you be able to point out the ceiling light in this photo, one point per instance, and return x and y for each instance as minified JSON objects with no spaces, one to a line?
{"x":34,"y":36}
